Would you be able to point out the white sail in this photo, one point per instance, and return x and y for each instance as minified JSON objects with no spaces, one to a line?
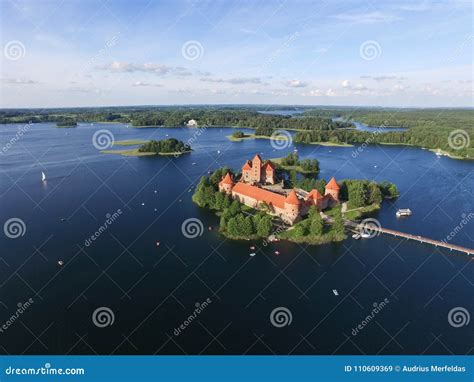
{"x":43,"y":176}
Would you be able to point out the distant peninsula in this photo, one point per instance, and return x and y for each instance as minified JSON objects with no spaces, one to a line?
{"x":170,"y":147}
{"x":66,"y":124}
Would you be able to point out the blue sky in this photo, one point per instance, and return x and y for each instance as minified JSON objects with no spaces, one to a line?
{"x":99,"y":52}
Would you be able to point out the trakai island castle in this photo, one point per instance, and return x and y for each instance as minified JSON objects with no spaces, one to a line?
{"x":259,"y":188}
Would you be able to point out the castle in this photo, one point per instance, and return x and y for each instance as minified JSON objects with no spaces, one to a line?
{"x":254,"y":191}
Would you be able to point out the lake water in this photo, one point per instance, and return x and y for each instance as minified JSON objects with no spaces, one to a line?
{"x":152,"y":289}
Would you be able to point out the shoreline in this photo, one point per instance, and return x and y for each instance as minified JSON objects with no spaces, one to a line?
{"x":136,"y":153}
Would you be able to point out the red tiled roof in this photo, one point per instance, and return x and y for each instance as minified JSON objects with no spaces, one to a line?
{"x":269,"y":166}
{"x":256,"y":157}
{"x":246,"y":166}
{"x":260,"y":194}
{"x":332,"y":185}
{"x":292,"y":198}
{"x":315,"y":194}
{"x":227,"y":179}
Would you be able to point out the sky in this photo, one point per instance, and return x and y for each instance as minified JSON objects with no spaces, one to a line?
{"x":70,"y":53}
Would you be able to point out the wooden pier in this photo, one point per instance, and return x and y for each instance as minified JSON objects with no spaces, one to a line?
{"x":374,"y":228}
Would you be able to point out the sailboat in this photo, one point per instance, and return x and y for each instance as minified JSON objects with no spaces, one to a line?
{"x":43,"y":176}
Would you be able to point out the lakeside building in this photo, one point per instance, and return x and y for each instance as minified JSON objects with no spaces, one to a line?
{"x":257,"y":188}
{"x":191,"y":123}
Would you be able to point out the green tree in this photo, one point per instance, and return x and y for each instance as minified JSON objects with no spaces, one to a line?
{"x":338,"y":225}
{"x":316,"y":227}
{"x":264,"y":226}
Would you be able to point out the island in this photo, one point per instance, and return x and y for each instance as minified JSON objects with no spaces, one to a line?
{"x":66,"y":123}
{"x":261,"y":202}
{"x":169,"y":147}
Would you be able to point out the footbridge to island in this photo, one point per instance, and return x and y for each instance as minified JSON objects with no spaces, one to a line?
{"x":371,"y":227}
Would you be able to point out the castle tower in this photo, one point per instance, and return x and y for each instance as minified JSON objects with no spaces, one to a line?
{"x":226,"y":184}
{"x":270,"y":173}
{"x":332,"y":189}
{"x":292,"y":205}
{"x":257,"y":168}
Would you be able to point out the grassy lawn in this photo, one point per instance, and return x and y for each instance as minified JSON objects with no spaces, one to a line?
{"x":136,"y":153}
{"x":130,"y":142}
{"x":299,"y":169}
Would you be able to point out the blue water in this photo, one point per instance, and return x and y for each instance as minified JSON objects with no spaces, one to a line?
{"x":153,"y":289}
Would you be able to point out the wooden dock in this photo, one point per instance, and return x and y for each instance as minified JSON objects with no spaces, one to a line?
{"x":372,"y":227}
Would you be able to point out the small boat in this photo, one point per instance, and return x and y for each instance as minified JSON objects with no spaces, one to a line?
{"x":209,"y":228}
{"x":403,"y":212}
{"x":277,"y":253}
{"x":43,"y":176}
{"x":218,"y":151}
{"x":356,"y":236}
{"x":60,"y":263}
{"x":365,"y":235}
{"x":438,"y":154}
{"x":143,"y":204}
{"x":336,"y":293}
{"x":252,"y":254}
{"x":252,"y":248}
{"x":63,"y":219}
{"x":156,"y":209}
{"x":157,"y":243}
{"x":194,"y":164}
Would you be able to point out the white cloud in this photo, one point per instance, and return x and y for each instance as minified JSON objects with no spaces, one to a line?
{"x":296,"y":84}
{"x":235,"y":80}
{"x":367,"y":18}
{"x":145,"y":84}
{"x":346,"y":83}
{"x":153,"y":68}
{"x":18,"y":81}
